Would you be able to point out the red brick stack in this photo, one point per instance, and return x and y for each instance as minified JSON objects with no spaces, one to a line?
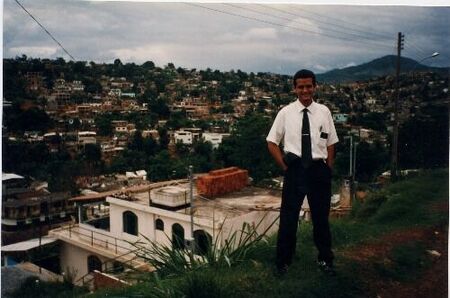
{"x":219,"y":182}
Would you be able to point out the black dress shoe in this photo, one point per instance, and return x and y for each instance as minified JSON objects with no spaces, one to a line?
{"x":326,"y":268}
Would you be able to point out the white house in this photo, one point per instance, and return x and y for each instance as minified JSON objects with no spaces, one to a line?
{"x":214,"y":138}
{"x":87,"y":137}
{"x":160,"y":212}
{"x":184,"y":137}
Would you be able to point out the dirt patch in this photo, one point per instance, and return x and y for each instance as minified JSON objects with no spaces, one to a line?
{"x":381,"y":247}
{"x":433,"y":281}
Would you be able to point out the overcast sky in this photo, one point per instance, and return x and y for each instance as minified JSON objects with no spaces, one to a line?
{"x":279,"y":38}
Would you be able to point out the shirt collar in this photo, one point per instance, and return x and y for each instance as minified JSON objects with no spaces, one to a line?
{"x":311,"y":108}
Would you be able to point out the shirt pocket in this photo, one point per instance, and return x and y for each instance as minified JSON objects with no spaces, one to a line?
{"x":322,"y":137}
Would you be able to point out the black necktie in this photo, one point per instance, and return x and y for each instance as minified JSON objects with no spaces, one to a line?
{"x":306,"y":141}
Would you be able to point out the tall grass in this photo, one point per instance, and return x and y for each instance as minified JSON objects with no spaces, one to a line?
{"x":171,"y":261}
{"x":407,"y":202}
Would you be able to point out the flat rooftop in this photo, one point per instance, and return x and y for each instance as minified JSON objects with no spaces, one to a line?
{"x":229,"y":205}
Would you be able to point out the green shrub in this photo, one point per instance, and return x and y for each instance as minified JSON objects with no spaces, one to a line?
{"x":205,"y":285}
{"x":34,"y":287}
{"x":371,"y":205}
{"x":170,"y":261}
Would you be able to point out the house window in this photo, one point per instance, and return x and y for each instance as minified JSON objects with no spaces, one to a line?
{"x":159,"y":224}
{"x":130,"y":223}
{"x":202,"y":242}
{"x":177,"y":236}
{"x":94,"y":263}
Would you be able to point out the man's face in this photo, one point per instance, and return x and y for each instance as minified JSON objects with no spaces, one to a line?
{"x":304,"y":88}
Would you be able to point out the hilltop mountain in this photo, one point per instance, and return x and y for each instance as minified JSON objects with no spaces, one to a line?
{"x":379,"y":67}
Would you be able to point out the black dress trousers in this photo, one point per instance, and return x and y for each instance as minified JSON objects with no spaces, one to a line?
{"x":315,"y":182}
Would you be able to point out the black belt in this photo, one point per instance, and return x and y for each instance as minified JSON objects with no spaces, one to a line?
{"x":290,"y":158}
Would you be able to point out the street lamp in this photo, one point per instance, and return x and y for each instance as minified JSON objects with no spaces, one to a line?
{"x":435,"y":54}
{"x":431,"y":56}
{"x":394,"y":153}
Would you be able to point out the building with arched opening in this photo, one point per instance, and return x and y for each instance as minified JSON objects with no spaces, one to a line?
{"x":161,"y":213}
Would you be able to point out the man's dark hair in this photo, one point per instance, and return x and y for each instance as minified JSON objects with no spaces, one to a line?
{"x":304,"y":74}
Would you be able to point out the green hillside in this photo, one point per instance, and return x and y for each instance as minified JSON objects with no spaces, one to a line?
{"x":380,"y":249}
{"x":379,"y":67}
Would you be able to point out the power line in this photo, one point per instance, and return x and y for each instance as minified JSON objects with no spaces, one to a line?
{"x":46,"y":31}
{"x":410,"y":53}
{"x":417,"y":50}
{"x":291,"y":20}
{"x":281,"y":25}
{"x":385,"y":35}
{"x":415,"y":46}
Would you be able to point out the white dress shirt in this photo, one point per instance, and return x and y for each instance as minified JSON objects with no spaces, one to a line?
{"x":287,"y":128}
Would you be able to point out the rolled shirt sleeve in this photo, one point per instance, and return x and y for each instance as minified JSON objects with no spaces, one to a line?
{"x":276,"y":133}
{"x":332,"y":138}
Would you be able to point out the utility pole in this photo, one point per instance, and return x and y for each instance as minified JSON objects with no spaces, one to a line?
{"x":352,"y":167}
{"x":350,"y":170}
{"x":191,"y":198}
{"x":353,"y":193}
{"x":394,"y":151}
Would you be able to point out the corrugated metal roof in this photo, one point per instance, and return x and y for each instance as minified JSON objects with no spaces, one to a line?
{"x":27,"y":245}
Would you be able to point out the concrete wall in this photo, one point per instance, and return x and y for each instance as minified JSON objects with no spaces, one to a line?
{"x":102,"y":280}
{"x":260,"y":219}
{"x":147,"y":216}
{"x":75,"y":258}
{"x":146,"y":223}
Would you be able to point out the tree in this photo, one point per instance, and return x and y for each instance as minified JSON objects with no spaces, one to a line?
{"x":182,"y":149}
{"x":227,"y":108}
{"x":148,"y":65}
{"x":91,"y":156}
{"x":372,"y":120}
{"x":262,"y":104}
{"x":371,"y":160}
{"x":117,"y":62}
{"x":93,"y":86}
{"x":202,"y":157}
{"x":163,"y":137}
{"x":92,"y":153}
{"x":160,"y":166}
{"x":31,"y":119}
{"x":159,"y":107}
{"x":178,"y":120}
{"x":247,"y":147}
{"x":423,"y":141}
{"x":137,"y":142}
{"x":103,"y":124}
{"x":150,"y":146}
{"x":224,"y":94}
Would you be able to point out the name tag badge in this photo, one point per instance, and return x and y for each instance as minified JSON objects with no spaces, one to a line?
{"x":324,"y":135}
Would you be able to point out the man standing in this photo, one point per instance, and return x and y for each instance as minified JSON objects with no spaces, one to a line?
{"x":308,"y":134}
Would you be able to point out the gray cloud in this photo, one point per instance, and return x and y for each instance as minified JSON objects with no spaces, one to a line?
{"x":195,"y":37}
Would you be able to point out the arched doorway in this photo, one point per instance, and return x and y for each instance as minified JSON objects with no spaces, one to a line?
{"x":202,"y":242}
{"x":177,"y":236}
{"x":94,"y":263}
